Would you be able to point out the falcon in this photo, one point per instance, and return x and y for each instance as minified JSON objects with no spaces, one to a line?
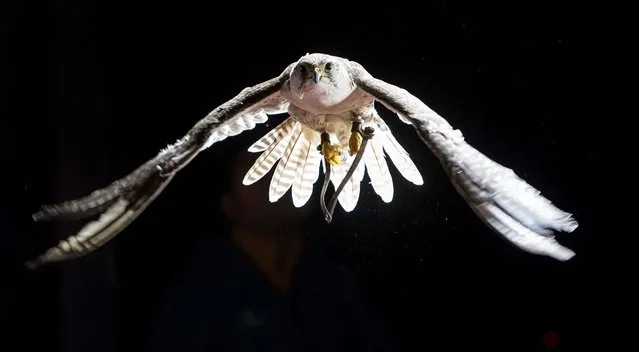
{"x":332,"y":124}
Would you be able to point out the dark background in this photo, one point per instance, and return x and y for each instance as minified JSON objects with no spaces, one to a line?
{"x":92,"y":89}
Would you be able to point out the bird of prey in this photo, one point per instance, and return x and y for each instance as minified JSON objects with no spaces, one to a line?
{"x":332,"y":123}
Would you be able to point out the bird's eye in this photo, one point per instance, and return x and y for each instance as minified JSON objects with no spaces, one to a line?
{"x":303,"y":69}
{"x":328,"y":66}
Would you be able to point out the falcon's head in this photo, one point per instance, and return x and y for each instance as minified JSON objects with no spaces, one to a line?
{"x":321,"y":80}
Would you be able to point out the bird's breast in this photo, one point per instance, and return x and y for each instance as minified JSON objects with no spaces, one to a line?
{"x":321,"y":100}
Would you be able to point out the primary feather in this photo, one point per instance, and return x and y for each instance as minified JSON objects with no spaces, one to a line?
{"x":377,"y":169}
{"x":397,"y":154}
{"x":286,"y":169}
{"x":294,"y":147}
{"x":504,"y":201}
{"x":273,"y":145}
{"x":308,"y":168}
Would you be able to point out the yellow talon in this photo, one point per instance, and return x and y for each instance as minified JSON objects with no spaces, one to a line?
{"x":355,"y":142}
{"x":331,"y":153}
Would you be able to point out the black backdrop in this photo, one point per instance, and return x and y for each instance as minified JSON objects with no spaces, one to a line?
{"x":93,"y":89}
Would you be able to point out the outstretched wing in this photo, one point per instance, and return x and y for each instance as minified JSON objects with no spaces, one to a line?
{"x":122,"y":201}
{"x":505,"y":202}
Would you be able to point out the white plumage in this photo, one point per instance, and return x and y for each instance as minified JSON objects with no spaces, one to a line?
{"x":295,"y":146}
{"x":273,"y":145}
{"x":308,"y":166}
{"x":324,"y":94}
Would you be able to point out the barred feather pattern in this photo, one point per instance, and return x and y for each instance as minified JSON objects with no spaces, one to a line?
{"x":294,"y":147}
{"x":308,"y":166}
{"x":273,"y":105}
{"x":272,"y":146}
{"x":286,"y":169}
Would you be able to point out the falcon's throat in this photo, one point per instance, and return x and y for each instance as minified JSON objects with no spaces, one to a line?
{"x":315,"y":95}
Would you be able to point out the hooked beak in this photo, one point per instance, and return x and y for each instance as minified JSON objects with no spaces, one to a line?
{"x":318,"y":73}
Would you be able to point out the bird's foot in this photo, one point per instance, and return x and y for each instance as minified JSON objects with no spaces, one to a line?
{"x":331,"y":152}
{"x":355,"y":142}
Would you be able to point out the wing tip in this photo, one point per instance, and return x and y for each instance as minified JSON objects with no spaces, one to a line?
{"x":33,"y":264}
{"x":418,"y":181}
{"x":46,"y":212}
{"x":561,"y":253}
{"x":298,"y":203}
{"x":569,"y":224}
{"x":247,"y":181}
{"x":38,"y":216}
{"x":273,"y":197}
{"x":348,"y":207}
{"x":564,"y":223}
{"x":254,"y":148}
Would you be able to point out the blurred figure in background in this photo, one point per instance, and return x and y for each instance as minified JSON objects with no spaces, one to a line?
{"x":264,"y":284}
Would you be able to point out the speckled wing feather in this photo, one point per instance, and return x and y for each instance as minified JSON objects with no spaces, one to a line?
{"x":122,"y":201}
{"x":505,"y":202}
